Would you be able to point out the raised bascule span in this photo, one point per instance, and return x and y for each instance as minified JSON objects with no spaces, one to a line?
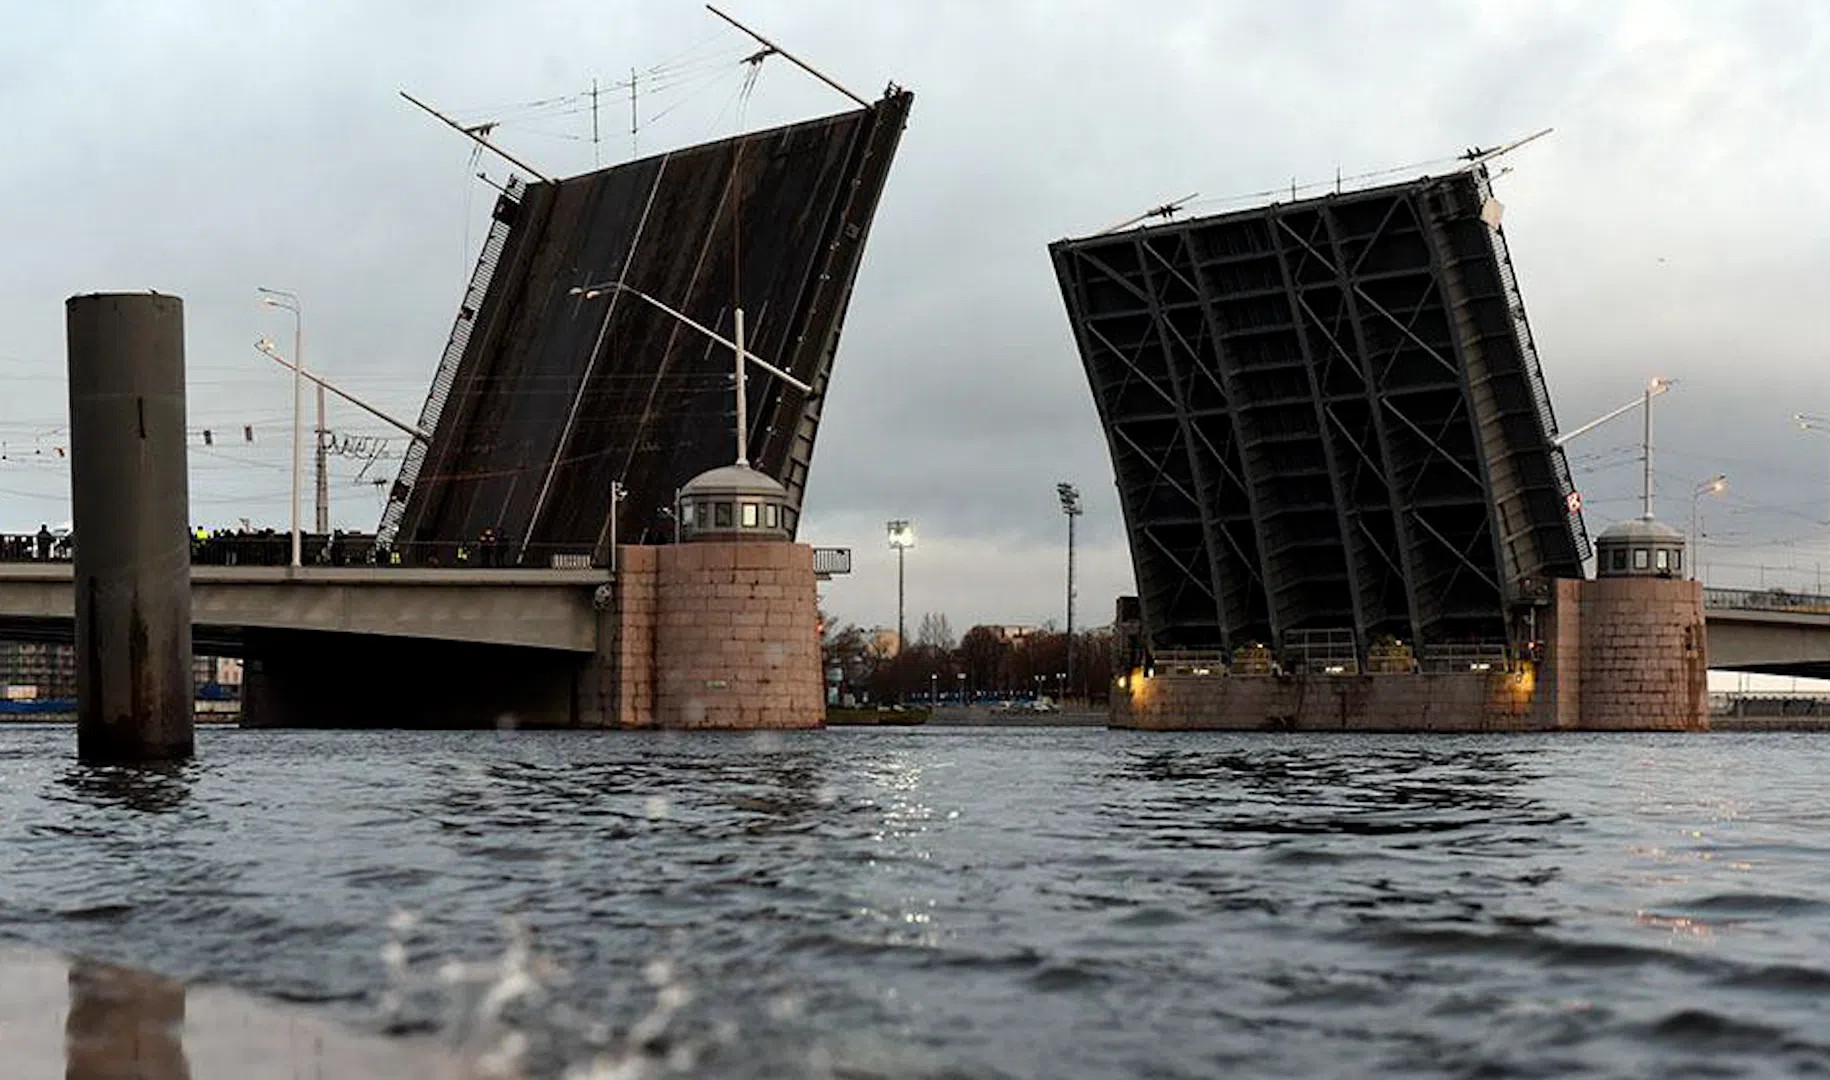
{"x":1327,"y":422}
{"x":559,"y":381}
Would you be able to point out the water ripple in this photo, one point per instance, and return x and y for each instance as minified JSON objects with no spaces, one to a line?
{"x":957,"y":903}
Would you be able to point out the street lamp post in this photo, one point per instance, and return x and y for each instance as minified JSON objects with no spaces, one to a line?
{"x":1715,"y":485}
{"x":1070,"y":506}
{"x":933,"y":689}
{"x":1654,"y":387}
{"x":285,"y":301}
{"x":961,"y":677}
{"x":902,"y":538}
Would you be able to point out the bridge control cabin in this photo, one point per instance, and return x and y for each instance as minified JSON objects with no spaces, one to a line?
{"x":1640,"y":547}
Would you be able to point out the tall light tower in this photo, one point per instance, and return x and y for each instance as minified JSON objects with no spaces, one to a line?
{"x":1070,"y":506}
{"x":902,"y":538}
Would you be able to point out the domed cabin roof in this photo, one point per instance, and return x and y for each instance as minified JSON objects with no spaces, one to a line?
{"x":735,"y":502}
{"x":1639,"y":547}
{"x":1645,"y":530}
{"x":732,"y":480}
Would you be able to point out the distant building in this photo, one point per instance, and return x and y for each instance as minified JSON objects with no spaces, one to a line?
{"x":884,"y":642}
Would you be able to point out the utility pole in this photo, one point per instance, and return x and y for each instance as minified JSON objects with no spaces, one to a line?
{"x":1070,"y":506}
{"x":634,"y":145}
{"x":323,"y":515}
{"x":1646,"y":457}
{"x":596,"y":159}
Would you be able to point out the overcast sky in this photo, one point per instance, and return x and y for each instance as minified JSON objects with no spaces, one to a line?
{"x":1674,"y":224}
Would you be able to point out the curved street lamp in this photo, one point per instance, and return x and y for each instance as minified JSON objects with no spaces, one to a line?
{"x":1715,"y":485}
{"x":285,"y":301}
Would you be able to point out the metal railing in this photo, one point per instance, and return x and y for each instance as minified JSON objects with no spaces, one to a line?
{"x":830,"y":560}
{"x":271,"y":547}
{"x":1781,"y":600}
{"x":455,"y":346}
{"x":1199,"y":662}
{"x":34,"y":547}
{"x":1534,"y":378}
{"x":1473,"y":656}
{"x":1322,"y":652}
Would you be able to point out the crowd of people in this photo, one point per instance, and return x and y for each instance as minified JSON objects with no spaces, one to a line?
{"x":42,"y":546}
{"x":273,"y":547}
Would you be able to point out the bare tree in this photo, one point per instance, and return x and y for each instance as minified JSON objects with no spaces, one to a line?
{"x":935,"y":632}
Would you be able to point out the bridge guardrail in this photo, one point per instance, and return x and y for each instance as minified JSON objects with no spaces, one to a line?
{"x":1781,"y":600}
{"x":271,"y":548}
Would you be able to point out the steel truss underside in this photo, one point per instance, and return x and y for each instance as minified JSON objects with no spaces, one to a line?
{"x":1326,"y":416}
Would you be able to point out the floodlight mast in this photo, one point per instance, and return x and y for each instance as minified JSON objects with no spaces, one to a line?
{"x":902,"y":538}
{"x":1070,"y":506}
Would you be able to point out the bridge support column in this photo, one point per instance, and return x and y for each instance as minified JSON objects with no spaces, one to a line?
{"x":131,"y":510}
{"x":736,"y":638}
{"x":1630,"y":654}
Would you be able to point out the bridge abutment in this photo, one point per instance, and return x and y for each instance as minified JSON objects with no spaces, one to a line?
{"x":1618,"y":654}
{"x":688,"y":636}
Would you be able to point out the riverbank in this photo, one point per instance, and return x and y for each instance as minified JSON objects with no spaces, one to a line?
{"x":991,"y":716}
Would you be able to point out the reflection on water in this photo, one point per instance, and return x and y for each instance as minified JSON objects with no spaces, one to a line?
{"x":925,"y":903}
{"x":151,"y":789}
{"x":90,"y":1020}
{"x":123,"y":1025}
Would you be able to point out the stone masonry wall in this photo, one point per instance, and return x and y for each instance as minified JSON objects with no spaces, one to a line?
{"x":1472,"y":701}
{"x":625,"y":664}
{"x":1621,"y":654}
{"x":1644,"y":666}
{"x":736,"y":641}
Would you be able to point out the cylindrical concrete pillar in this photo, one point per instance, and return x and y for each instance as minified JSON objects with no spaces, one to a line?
{"x":128,"y":486}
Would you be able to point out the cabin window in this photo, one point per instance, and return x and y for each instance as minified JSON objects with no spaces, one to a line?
{"x":686,"y":510}
{"x":770,"y":515}
{"x":702,"y":515}
{"x":1677,"y":560}
{"x":749,"y":515}
{"x":721,"y":515}
{"x":1642,"y":558}
{"x":787,"y":519}
{"x":1663,"y":558}
{"x":1619,"y":559}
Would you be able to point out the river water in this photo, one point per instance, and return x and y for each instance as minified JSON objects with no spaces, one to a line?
{"x":970,"y":902}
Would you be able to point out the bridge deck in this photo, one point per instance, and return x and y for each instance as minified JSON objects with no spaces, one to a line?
{"x":545,"y":609}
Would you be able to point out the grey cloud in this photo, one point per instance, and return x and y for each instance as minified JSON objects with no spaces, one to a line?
{"x":210,"y":147}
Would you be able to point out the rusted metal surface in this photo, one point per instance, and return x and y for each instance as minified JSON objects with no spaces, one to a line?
{"x":557,"y":395}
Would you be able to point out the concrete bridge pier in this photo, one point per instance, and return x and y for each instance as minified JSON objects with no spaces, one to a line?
{"x":131,"y":509}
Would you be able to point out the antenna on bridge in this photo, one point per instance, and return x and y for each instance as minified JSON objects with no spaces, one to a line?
{"x":1165,"y":211}
{"x":1476,"y":157}
{"x":475,"y":133}
{"x":772,"y":47}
